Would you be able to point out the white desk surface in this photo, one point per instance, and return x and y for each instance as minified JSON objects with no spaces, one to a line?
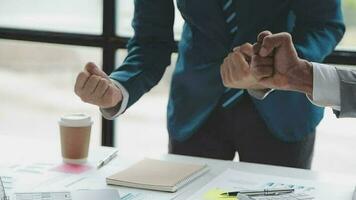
{"x":19,"y":150}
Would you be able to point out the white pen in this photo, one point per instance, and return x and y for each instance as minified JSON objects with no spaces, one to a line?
{"x":354,"y":195}
{"x":107,"y":159}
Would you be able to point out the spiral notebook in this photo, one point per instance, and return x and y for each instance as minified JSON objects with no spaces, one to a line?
{"x":157,"y":175}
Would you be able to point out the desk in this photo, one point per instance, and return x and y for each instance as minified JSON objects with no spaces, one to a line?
{"x":15,"y":151}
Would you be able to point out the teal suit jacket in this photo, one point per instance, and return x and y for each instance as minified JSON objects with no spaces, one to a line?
{"x":316,"y":25}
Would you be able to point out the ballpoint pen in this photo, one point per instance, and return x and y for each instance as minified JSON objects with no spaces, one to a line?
{"x":354,"y":195}
{"x":107,"y":159}
{"x":266,"y":192}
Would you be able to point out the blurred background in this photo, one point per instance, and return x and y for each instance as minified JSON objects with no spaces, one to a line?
{"x":37,"y":79}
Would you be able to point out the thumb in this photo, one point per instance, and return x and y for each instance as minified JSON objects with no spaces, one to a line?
{"x":94,"y":70}
{"x":260,"y":38}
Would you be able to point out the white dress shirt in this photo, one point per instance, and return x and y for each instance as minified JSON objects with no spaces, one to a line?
{"x":326,"y":86}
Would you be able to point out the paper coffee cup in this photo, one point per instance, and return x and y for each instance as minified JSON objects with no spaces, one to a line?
{"x":75,"y":137}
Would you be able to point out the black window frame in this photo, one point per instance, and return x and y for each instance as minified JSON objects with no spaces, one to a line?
{"x":110,"y":42}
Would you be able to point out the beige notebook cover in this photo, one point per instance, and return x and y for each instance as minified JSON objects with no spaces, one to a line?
{"x":157,"y":175}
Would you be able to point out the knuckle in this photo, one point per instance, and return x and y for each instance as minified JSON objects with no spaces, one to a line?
{"x":112,"y":102}
{"x":267,"y":40}
{"x":89,"y":66}
{"x":94,"y":77}
{"x":110,"y":92}
{"x":83,"y":74}
{"x":107,"y":82}
{"x":287,"y":36}
{"x":225,"y":82}
{"x":77,"y":91}
{"x":245,"y":45}
{"x":267,"y":32}
{"x":84,"y":98}
{"x":102,"y":82}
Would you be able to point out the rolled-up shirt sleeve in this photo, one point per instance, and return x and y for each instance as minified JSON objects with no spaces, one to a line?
{"x":112,"y":113}
{"x":326,"y":86}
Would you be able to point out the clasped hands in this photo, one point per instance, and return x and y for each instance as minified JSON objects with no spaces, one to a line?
{"x":271,"y":63}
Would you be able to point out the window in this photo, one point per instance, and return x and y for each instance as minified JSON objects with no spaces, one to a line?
{"x":79,"y":16}
{"x":125,"y":15}
{"x":144,"y":124}
{"x":37,"y":87}
{"x":81,"y":23}
{"x":349,"y":40}
{"x":151,"y":137}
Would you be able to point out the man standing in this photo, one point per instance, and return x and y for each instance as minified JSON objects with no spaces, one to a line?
{"x":205,"y":118}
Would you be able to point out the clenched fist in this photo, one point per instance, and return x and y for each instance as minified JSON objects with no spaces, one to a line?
{"x":236,"y":71}
{"x":94,"y":86}
{"x":288,"y":71}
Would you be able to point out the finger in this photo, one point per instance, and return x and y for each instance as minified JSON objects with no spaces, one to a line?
{"x":256,"y":48}
{"x":262,"y":35}
{"x":223,"y":71}
{"x":107,"y":99}
{"x":259,"y":60}
{"x":272,"y":42}
{"x":234,"y":70}
{"x":90,"y":85}
{"x":240,"y":61}
{"x":82,"y":78}
{"x":247,"y":49}
{"x":258,"y":44}
{"x":93,"y":69}
{"x":228,"y":70}
{"x":262,"y":71}
{"x":100,"y":90}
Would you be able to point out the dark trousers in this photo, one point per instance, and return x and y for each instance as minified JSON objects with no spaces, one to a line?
{"x":240,"y":128}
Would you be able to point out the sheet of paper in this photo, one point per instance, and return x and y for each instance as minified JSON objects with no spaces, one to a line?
{"x":44,"y":196}
{"x":107,"y":194}
{"x":34,"y":168}
{"x":232,"y":180}
{"x":72,"y":169}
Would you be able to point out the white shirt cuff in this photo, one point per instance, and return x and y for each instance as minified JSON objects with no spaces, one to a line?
{"x":260,"y":94}
{"x":112,"y":113}
{"x":326,"y":86}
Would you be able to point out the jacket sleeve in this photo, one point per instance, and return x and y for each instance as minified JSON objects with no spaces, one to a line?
{"x":318,"y":27}
{"x":150,"y":49}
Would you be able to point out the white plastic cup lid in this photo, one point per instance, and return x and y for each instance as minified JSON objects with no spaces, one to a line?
{"x":75,"y":120}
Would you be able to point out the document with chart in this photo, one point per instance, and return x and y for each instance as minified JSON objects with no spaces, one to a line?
{"x":233,"y":180}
